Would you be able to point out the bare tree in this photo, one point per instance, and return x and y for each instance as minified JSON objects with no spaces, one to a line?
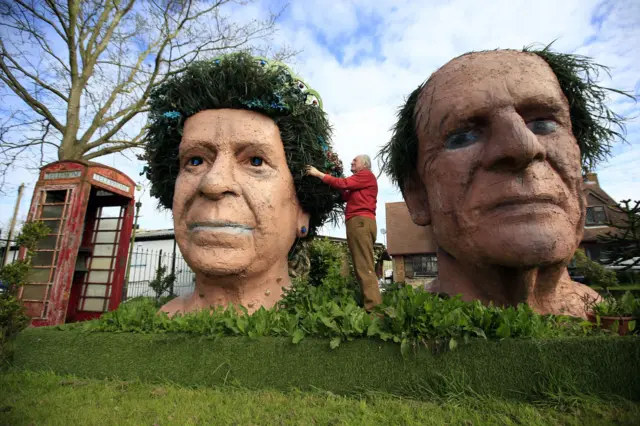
{"x":75,"y":74}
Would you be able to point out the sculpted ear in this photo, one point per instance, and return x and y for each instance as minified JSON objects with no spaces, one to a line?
{"x":415,"y":196}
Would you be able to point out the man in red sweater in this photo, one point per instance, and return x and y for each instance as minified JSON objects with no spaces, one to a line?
{"x":360,"y":191}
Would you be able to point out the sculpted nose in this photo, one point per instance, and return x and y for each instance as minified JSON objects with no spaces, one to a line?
{"x":220,"y":180}
{"x":512,"y":147}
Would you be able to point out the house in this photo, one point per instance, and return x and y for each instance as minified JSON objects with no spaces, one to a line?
{"x":413,"y":248}
{"x":599,"y":214}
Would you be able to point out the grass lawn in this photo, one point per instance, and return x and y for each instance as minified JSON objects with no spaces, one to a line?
{"x":44,"y":398}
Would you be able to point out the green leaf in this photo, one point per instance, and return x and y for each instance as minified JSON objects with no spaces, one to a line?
{"x":632,"y":325}
{"x":328,"y":322}
{"x":479,"y":332}
{"x":404,"y":347}
{"x":453,"y":344}
{"x":298,"y":335}
{"x":385,"y":336}
{"x":373,"y":329}
{"x":503,"y":331}
{"x":242,"y":324}
{"x":335,"y":342}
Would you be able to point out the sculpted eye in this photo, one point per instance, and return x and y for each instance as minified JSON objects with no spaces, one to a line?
{"x":461,"y":139}
{"x":256,"y":161}
{"x":195,"y":161}
{"x":542,"y":127}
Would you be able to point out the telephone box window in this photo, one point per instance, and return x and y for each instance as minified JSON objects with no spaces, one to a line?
{"x":58,"y":197}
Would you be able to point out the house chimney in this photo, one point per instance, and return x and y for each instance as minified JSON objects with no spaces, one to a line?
{"x":591,"y":179}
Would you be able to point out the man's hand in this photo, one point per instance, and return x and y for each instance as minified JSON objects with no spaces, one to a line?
{"x":312,"y":171}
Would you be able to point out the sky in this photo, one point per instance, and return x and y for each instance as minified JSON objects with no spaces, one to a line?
{"x":364,"y":59}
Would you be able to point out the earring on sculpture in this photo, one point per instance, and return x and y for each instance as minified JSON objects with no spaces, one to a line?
{"x":303,"y":230}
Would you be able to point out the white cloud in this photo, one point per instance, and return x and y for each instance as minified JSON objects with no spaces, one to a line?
{"x":418,"y":37}
{"x":414,"y":38}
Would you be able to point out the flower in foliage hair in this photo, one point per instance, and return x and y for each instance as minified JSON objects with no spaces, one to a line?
{"x":594,"y":125}
{"x":242,"y":81}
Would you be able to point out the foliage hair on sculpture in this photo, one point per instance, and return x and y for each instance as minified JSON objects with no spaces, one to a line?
{"x":594,"y":125}
{"x":241,"y":81}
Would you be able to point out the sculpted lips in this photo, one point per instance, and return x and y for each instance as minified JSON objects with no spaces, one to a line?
{"x":218,"y":225}
{"x":519,"y":205}
{"x":524,"y":200}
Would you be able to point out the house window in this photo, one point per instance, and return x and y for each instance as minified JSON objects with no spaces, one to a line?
{"x":596,"y":215}
{"x":425,"y":265}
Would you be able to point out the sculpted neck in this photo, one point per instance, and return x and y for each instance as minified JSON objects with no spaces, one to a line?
{"x":250,"y":291}
{"x":547,"y":290}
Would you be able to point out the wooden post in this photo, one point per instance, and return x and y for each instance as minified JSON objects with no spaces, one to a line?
{"x":13,"y":224}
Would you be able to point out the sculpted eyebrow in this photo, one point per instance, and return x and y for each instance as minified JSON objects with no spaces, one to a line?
{"x":540,"y":104}
{"x":454,"y":119}
{"x":259,"y":147}
{"x":192,"y":143}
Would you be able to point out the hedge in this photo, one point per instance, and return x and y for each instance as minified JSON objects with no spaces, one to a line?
{"x":511,"y":368}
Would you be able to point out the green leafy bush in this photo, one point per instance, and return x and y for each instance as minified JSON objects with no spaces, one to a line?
{"x":326,"y":261}
{"x":628,"y":277}
{"x":12,"y":320}
{"x":595,"y":273}
{"x":13,"y":316}
{"x":162,"y":281}
{"x":407,"y":316}
{"x":625,"y":306}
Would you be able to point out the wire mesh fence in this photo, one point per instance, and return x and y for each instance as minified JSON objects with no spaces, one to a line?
{"x":144,"y":270}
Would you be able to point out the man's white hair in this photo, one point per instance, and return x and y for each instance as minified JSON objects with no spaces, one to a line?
{"x":366,"y":161}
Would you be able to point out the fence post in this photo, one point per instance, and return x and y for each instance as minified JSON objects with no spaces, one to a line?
{"x":159,"y":266}
{"x":173,"y":265}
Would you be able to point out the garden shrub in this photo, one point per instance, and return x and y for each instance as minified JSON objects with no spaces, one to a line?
{"x":625,"y":306}
{"x":595,"y":274}
{"x":407,"y":316}
{"x":13,"y":316}
{"x":162,"y":282}
{"x":628,"y":277}
{"x":326,"y":261}
{"x":327,"y":264}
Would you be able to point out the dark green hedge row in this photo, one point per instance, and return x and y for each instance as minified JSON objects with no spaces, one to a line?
{"x":512,"y":368}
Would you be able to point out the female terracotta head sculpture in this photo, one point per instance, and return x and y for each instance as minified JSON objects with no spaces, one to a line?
{"x":227,"y":144}
{"x":488,"y":151}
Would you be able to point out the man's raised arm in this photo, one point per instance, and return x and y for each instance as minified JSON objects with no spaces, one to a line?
{"x":358,"y":181}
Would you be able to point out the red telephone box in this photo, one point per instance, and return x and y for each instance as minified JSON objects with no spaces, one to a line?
{"x":78,"y":270}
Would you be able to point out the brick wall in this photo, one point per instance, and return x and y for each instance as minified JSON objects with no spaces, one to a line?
{"x":404,"y":236}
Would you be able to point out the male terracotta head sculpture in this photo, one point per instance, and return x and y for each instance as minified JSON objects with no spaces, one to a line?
{"x":486,"y":152}
{"x":227,"y":145}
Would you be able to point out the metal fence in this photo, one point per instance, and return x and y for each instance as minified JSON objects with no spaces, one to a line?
{"x":13,"y":250}
{"x":143,"y":269}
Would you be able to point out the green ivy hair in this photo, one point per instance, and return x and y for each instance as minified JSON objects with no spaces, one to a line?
{"x":241,"y":81}
{"x":594,"y":125}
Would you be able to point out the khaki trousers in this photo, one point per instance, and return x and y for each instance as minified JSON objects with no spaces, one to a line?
{"x":361,"y":235}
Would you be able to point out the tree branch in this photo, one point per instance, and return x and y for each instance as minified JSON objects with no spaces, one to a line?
{"x":42,"y":18}
{"x":54,"y":9}
{"x":37,"y":80}
{"x":119,"y":145}
{"x":23,"y":93}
